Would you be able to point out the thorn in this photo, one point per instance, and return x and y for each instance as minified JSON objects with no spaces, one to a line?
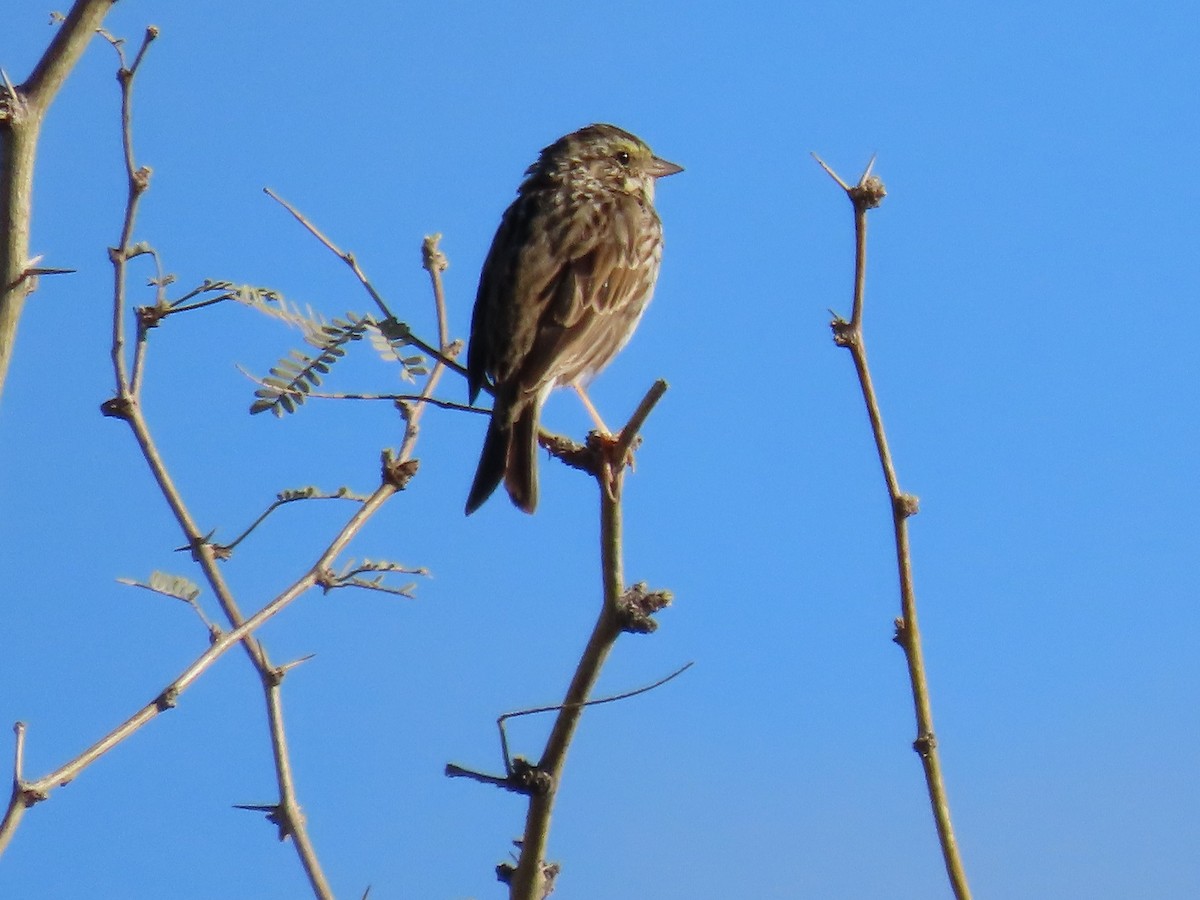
{"x":11,"y":91}
{"x":46,"y":271}
{"x":832,"y":174}
{"x":867,"y":171}
{"x":287,"y":667}
{"x":270,"y":809}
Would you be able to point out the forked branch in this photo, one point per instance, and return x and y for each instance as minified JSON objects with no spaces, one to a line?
{"x":125,"y":405}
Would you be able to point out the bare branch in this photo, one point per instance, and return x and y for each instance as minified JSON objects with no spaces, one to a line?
{"x":283,"y":499}
{"x":350,"y":260}
{"x":343,"y":255}
{"x":64,"y":51}
{"x":22,"y":111}
{"x":867,"y":194}
{"x":533,"y":876}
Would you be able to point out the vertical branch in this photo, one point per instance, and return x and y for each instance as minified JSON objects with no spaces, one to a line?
{"x":19,"y":799}
{"x":434,"y":262}
{"x":533,"y":877}
{"x":866,"y":195}
{"x":22,"y":110}
{"x":138,"y":182}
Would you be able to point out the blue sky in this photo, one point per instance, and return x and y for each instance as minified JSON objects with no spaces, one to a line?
{"x":1031,"y":317}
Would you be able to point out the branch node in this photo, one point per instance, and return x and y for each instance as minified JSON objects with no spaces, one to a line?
{"x":845,"y":334}
{"x":432,"y":257}
{"x":907,"y":505}
{"x":505,"y":872}
{"x":141,"y":179}
{"x":396,"y":472}
{"x":117,"y":408}
{"x":925,"y":744}
{"x":325,"y":579}
{"x":868,"y":193}
{"x":150,"y":316}
{"x":30,"y":796}
{"x":276,"y":814}
{"x":900,"y":637}
{"x":12,"y":104}
{"x":637,"y":606}
{"x":526,"y":778}
{"x":167,"y":699}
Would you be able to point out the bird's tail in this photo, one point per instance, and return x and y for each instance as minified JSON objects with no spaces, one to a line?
{"x":509,"y":455}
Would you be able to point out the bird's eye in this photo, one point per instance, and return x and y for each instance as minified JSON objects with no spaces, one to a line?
{"x":622,"y":157}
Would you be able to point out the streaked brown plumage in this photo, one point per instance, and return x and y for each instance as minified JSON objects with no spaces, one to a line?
{"x":569,"y":274}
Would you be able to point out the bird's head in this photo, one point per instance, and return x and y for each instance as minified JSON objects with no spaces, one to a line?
{"x":603,"y":157}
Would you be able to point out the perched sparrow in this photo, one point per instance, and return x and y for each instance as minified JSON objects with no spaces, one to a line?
{"x":571,"y":269}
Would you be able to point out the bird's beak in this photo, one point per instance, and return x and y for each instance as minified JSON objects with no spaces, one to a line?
{"x":660,"y":168}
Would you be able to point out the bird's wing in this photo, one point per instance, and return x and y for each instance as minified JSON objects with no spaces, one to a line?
{"x":572,"y":305}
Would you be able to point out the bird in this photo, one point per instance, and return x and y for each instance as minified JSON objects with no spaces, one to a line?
{"x":570,"y":271}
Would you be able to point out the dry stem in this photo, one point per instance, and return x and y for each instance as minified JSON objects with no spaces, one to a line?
{"x":867,"y":194}
{"x":349,"y":259}
{"x":533,"y":877}
{"x":22,"y":110}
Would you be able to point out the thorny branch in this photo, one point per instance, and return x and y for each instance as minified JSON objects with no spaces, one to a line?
{"x":23,"y":109}
{"x":867,"y":194}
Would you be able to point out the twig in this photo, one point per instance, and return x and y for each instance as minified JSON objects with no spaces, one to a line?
{"x":18,"y":752}
{"x":138,"y":181}
{"x":435,"y":263}
{"x":403,"y":398}
{"x":865,"y":195}
{"x":613,"y":698}
{"x":519,"y":776}
{"x":633,"y":428}
{"x":391,"y":398}
{"x":284,"y":499}
{"x":349,"y":259}
{"x":532,"y":877}
{"x":176,"y":588}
